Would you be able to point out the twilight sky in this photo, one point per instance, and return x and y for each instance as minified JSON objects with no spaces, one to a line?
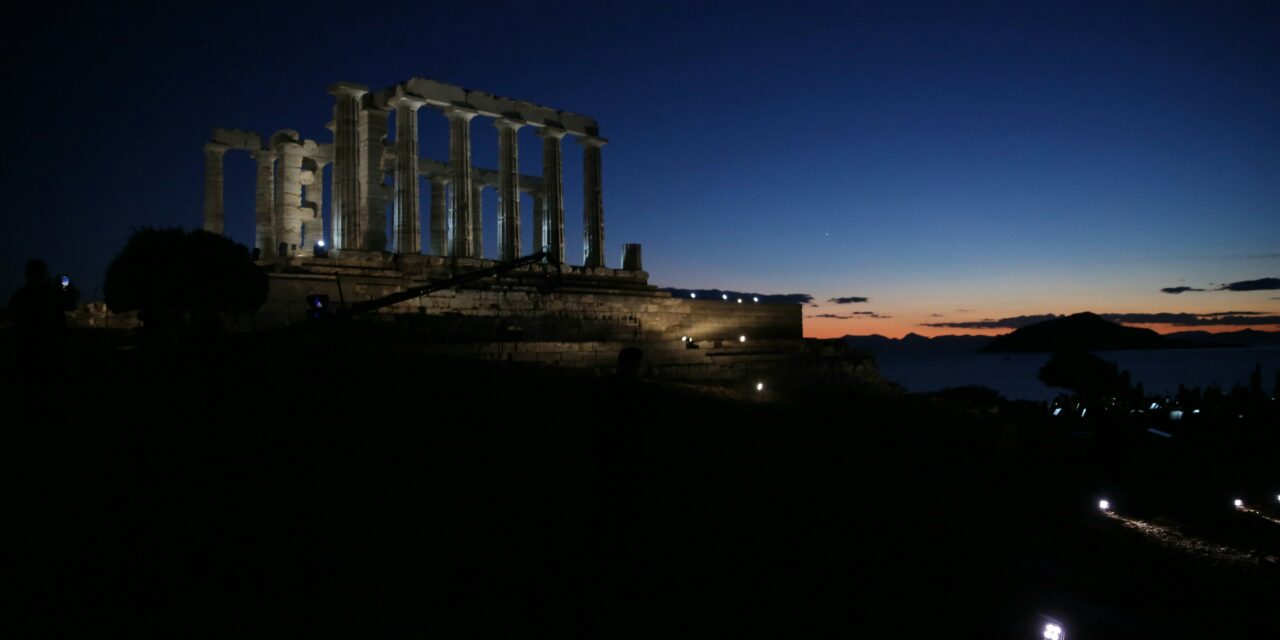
{"x":951,"y":165}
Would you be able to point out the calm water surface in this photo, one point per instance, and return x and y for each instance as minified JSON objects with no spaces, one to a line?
{"x":1014,"y":374}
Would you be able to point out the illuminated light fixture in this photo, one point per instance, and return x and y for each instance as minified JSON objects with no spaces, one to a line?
{"x":1195,"y":411}
{"x":759,"y":386}
{"x":1053,"y":631}
{"x":739,"y":300}
{"x":1175,"y":415}
{"x":1083,"y":411}
{"x":1238,"y":503}
{"x":692,"y":294}
{"x":1155,"y":405}
{"x":319,"y":250}
{"x":724,"y":296}
{"x":742,"y":338}
{"x":684,"y":338}
{"x":1057,"y":410}
{"x":755,"y":298}
{"x":1104,"y":505}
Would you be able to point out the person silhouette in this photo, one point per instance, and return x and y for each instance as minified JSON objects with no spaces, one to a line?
{"x":39,"y":313}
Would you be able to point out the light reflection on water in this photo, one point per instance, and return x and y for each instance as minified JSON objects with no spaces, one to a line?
{"x":1014,"y":374}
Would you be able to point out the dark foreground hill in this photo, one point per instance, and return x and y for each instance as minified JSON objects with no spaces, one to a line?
{"x":1081,"y":332}
{"x":329,"y":488}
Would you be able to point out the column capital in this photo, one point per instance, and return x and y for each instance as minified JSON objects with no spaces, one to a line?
{"x":263,"y":154}
{"x":551,"y":132}
{"x":457,"y":112}
{"x":508,"y":123}
{"x":592,"y":141}
{"x":439,"y":179}
{"x":348,"y":89}
{"x":407,"y":101}
{"x":216,"y":147}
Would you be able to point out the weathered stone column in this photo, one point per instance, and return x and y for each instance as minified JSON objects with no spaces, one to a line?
{"x":348,"y":232}
{"x":460,"y":167}
{"x":508,"y":188}
{"x":288,"y":196}
{"x":313,"y":202}
{"x":553,"y":192}
{"x":439,"y":232}
{"x":408,"y":211}
{"x":477,"y":220}
{"x":539,"y":221}
{"x":592,"y":202}
{"x":214,"y":214}
{"x":373,"y":187}
{"x":264,"y":204}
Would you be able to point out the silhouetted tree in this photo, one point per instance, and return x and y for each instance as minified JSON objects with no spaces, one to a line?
{"x":1087,"y":375}
{"x":180,"y":280}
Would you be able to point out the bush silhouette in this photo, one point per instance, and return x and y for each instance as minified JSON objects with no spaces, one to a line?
{"x":1086,"y":374}
{"x":178,"y":278}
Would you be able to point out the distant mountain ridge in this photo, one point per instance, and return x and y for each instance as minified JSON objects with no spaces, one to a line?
{"x":1082,"y":332}
{"x":913,"y":343}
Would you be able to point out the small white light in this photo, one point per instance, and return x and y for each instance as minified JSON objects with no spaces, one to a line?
{"x":684,"y":338}
{"x":320,"y":243}
{"x":724,"y":296}
{"x":692,"y":294}
{"x":1195,"y":411}
{"x":759,"y":386}
{"x":1052,"y":632}
{"x":1057,"y":410}
{"x":1083,"y":411}
{"x":1104,"y":505}
{"x":739,"y":300}
{"x":755,"y":298}
{"x":1238,"y":503}
{"x":742,"y":338}
{"x":1155,"y":405}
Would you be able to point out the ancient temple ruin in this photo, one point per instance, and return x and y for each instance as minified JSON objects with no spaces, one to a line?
{"x":550,"y":311}
{"x":368,"y":172}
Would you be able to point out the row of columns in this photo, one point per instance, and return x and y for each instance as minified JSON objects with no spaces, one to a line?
{"x":283,"y":210}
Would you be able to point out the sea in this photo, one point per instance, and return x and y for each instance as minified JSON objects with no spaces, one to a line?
{"x":1014,"y":374}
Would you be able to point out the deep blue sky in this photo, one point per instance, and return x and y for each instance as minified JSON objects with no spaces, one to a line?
{"x":996,"y":158}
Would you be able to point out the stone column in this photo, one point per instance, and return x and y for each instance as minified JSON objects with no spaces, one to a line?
{"x":214,"y":214}
{"x":373,"y":188}
{"x":553,"y":192}
{"x":264,"y":204}
{"x":408,"y":211}
{"x":460,"y":167}
{"x":508,"y":188}
{"x":477,"y":220}
{"x":313,"y":202}
{"x":439,"y":231}
{"x":592,"y":203}
{"x":288,"y":196}
{"x":539,"y":221}
{"x":348,"y":232}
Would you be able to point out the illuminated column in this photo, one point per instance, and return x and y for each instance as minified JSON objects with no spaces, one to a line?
{"x":264,"y":204}
{"x":592,"y":203}
{"x":477,"y":220}
{"x":539,"y":221}
{"x":460,"y":167}
{"x":288,"y":196}
{"x":313,"y":201}
{"x":439,"y":237}
{"x":372,"y":127}
{"x":408,"y":220}
{"x":214,"y":215}
{"x":553,"y":192}
{"x":348,"y":232}
{"x":508,"y":189}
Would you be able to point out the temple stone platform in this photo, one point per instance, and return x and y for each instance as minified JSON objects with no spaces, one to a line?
{"x":557,"y":315}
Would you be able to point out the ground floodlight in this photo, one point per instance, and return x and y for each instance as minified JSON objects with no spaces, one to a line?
{"x":742,"y":338}
{"x":1053,"y":631}
{"x":684,"y":338}
{"x":755,"y":298}
{"x":692,"y":294}
{"x":739,"y":300}
{"x":724,"y":296}
{"x":1104,"y":505}
{"x":759,"y":386}
{"x":1238,"y":503}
